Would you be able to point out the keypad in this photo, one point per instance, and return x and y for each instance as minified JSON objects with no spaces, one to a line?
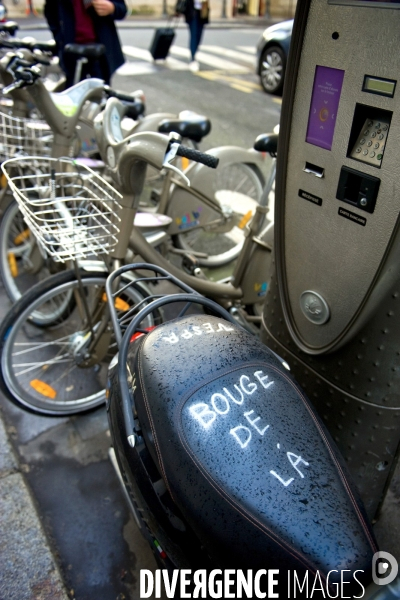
{"x":370,"y":145}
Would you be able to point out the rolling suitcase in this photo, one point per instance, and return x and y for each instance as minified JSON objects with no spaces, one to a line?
{"x":162,"y":40}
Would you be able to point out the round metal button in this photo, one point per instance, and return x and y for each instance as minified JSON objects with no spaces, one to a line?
{"x":314,"y":307}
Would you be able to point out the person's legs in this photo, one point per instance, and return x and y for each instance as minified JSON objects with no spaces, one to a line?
{"x":199,"y":32}
{"x":193,"y":24}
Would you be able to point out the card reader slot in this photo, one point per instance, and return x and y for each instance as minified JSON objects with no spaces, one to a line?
{"x":314,"y":170}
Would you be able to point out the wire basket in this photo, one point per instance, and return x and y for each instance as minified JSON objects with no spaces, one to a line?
{"x":23,"y":136}
{"x":71,"y":210}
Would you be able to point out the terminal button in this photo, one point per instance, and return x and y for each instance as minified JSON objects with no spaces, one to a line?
{"x":314,"y":307}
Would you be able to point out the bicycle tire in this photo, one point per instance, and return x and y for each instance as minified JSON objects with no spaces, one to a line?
{"x":21,"y":264}
{"x":40,"y":368}
{"x":240,"y":186}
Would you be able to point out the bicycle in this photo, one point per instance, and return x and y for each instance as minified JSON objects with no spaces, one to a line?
{"x":21,"y":264}
{"x":72,"y":220}
{"x":174,"y":201}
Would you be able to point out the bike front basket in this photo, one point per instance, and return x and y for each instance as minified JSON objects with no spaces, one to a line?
{"x":71,"y":210}
{"x":24,"y":136}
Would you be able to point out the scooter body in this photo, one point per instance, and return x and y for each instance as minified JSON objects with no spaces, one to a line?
{"x":232,"y":468}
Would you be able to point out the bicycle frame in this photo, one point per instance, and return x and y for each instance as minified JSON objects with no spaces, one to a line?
{"x":128,"y":159}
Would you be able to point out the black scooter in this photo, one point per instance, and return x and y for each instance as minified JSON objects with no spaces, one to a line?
{"x":230,"y":472}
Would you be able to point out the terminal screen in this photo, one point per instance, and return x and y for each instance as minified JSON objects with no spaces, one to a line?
{"x":324,"y":105}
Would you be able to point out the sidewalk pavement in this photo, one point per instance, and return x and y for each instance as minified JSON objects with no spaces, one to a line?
{"x":28,"y":568}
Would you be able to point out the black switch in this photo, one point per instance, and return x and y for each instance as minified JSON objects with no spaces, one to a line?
{"x":358,"y":189}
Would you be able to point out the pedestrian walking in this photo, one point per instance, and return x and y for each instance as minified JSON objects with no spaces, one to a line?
{"x":86,"y":22}
{"x":196,"y":16}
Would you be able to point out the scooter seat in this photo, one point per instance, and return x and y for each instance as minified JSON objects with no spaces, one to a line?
{"x":189,"y":125}
{"x":244,"y":455}
{"x":85,"y":50}
{"x":267,"y":142}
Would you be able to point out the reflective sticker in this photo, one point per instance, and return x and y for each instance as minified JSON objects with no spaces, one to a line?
{"x":21,"y":237}
{"x":64,"y":104}
{"x":245,"y":219}
{"x":12,"y":263}
{"x":43,"y":388}
{"x":119,"y":303}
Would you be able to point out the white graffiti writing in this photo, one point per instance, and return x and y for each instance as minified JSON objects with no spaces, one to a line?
{"x":193,"y":330}
{"x":220,"y":404}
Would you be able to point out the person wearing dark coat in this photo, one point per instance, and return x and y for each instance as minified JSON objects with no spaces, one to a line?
{"x":85,"y":22}
{"x":196,"y":16}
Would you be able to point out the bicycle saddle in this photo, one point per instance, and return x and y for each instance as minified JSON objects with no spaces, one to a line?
{"x":267,"y":142}
{"x":243,"y":453}
{"x":85,"y":50}
{"x":10,"y":27}
{"x":189,"y":125}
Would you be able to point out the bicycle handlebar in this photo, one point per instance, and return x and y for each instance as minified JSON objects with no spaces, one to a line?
{"x":197,"y":156}
{"x":119,"y":95}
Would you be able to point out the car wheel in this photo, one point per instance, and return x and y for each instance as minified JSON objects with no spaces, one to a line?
{"x":272,"y":69}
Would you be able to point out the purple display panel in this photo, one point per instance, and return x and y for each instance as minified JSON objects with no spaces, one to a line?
{"x":324,"y":104}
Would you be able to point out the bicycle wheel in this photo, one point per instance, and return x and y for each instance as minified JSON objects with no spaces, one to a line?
{"x":238,"y":187}
{"x":22,"y":264}
{"x":51,"y":370}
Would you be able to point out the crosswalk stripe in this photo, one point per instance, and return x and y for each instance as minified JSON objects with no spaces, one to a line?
{"x":208,"y":59}
{"x":228,"y":53}
{"x":224,"y":70}
{"x":238,"y":84}
{"x":136,"y":68}
{"x":202,"y":56}
{"x":135,"y":52}
{"x":249,"y":49}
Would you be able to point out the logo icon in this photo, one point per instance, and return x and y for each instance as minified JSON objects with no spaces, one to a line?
{"x":384,"y":568}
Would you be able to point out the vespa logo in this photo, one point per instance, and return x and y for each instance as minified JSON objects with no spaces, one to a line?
{"x":384,"y":568}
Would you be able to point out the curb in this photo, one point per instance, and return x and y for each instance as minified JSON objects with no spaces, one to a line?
{"x":28,"y":566}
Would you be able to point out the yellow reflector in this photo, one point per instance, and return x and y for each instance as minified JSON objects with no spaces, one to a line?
{"x":43,"y":388}
{"x":3,"y":181}
{"x":12,"y":263}
{"x":185,"y":162}
{"x":119,"y":303}
{"x":246,"y":218}
{"x":21,"y":237}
